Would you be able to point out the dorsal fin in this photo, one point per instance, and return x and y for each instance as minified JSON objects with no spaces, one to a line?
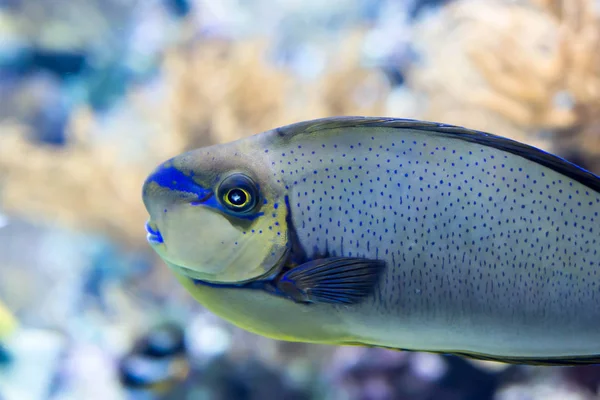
{"x":534,"y":154}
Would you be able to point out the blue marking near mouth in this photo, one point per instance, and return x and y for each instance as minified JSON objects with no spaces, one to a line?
{"x":153,"y":235}
{"x":170,"y":177}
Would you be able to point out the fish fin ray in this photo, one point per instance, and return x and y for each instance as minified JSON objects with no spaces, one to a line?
{"x":338,"y":280}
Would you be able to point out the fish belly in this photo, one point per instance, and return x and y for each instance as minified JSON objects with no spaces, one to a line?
{"x":486,"y":251}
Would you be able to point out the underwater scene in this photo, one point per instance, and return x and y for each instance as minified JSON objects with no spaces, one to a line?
{"x":95,"y":94}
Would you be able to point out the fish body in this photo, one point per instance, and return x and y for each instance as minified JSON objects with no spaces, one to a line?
{"x":401,"y":234}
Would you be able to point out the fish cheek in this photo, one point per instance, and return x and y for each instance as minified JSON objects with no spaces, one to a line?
{"x":261,"y":248}
{"x":198,"y":238}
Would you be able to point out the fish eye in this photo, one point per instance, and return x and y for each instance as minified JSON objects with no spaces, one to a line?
{"x":238,"y":193}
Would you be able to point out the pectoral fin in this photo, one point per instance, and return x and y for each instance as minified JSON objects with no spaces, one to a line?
{"x":338,"y":280}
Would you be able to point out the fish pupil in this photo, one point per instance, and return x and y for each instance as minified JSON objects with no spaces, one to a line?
{"x":237,"y":197}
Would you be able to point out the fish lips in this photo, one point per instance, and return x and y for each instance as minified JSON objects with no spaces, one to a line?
{"x":153,"y":235}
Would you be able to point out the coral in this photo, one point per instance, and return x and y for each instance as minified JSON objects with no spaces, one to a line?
{"x":227,"y":90}
{"x":81,"y":184}
{"x":513,"y":68}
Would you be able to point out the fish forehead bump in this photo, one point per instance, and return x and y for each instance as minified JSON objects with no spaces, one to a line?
{"x":208,"y":163}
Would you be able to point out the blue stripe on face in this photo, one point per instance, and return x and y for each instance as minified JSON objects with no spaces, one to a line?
{"x":168,"y":176}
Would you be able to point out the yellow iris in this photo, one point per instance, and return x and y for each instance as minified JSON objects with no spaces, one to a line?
{"x":244,"y":194}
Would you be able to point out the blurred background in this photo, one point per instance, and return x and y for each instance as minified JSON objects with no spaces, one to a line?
{"x":95,"y":93}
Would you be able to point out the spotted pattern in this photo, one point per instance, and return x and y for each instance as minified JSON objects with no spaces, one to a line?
{"x":476,"y":238}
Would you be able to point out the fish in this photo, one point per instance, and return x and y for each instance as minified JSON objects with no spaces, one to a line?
{"x":388,"y":232}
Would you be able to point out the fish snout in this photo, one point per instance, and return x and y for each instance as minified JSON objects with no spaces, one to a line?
{"x":169,"y":188}
{"x":169,"y":183}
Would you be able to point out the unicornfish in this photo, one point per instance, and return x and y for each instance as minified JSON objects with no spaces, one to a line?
{"x":388,"y":232}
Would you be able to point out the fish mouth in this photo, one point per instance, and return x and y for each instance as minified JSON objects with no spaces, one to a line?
{"x":153,"y":235}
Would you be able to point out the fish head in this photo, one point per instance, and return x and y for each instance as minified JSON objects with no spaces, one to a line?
{"x":217,"y":214}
